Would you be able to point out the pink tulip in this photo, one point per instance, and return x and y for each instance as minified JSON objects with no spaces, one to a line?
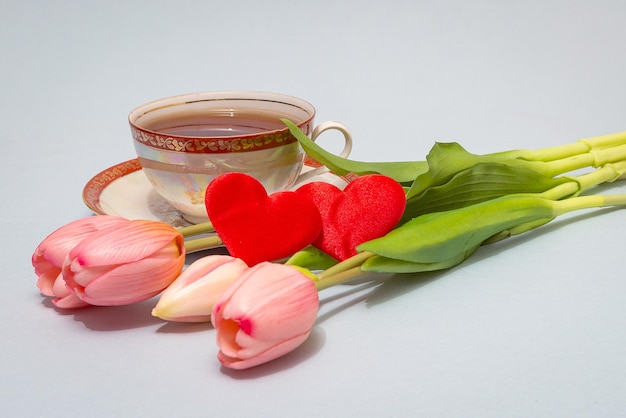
{"x":192,"y":295}
{"x":49,"y":256}
{"x":125,"y":263}
{"x":266,"y":313}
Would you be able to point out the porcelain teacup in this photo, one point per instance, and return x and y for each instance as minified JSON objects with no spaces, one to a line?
{"x":183,"y":142}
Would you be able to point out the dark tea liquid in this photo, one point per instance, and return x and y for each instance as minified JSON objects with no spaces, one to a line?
{"x":215,"y":123}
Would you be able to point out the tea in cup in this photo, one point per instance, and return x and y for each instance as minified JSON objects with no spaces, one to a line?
{"x":183,"y":142}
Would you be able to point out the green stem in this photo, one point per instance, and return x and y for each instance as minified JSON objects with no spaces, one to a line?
{"x":605,"y":141}
{"x":592,"y":158}
{"x":354,"y":261}
{"x":562,"y":207}
{"x":556,"y":153}
{"x":339,"y":278}
{"x":554,"y":161}
{"x":201,"y":228}
{"x":342,"y":272}
{"x":568,"y":158}
{"x":203,"y":244}
{"x":565,"y":165}
{"x":609,"y":155}
{"x":606,"y":174}
{"x":581,"y":146}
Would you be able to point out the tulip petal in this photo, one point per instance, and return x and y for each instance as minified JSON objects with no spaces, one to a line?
{"x":50,"y":254}
{"x":240,"y":363}
{"x":125,"y":264}
{"x":226,"y":338}
{"x":60,"y":288}
{"x":191,"y":297}
{"x":130,"y":283}
{"x":250,"y":346}
{"x":289,"y":307}
{"x":55,"y":246}
{"x":70,"y":301}
{"x":268,"y":312}
{"x":47,"y":276}
{"x":203,"y":267}
{"x":133,"y":241}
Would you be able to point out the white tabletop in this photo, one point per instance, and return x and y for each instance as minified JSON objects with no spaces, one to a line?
{"x":530,"y":327}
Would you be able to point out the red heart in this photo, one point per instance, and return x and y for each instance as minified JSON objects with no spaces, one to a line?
{"x":256,"y":227}
{"x":367,"y":208}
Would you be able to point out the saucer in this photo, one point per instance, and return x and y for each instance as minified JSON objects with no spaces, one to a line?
{"x":124,"y":190}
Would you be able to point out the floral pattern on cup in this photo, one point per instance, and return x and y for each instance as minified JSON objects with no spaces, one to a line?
{"x":222,"y":145}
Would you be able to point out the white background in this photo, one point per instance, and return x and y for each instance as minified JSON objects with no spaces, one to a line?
{"x":531,"y":327}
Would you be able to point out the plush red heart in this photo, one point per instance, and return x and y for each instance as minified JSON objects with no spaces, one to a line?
{"x":256,"y":227}
{"x":367,"y":208}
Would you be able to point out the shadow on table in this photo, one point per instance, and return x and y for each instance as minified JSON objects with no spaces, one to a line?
{"x":115,"y":318}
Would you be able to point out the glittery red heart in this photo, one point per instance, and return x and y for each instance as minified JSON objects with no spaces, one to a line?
{"x":256,"y":227}
{"x":368,"y":208}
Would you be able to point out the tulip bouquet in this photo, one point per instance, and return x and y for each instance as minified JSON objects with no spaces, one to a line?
{"x":395,"y":217}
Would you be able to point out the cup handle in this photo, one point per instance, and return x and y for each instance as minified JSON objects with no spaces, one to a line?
{"x":347,"y":148}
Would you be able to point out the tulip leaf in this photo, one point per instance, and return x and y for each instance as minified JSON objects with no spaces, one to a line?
{"x":478,"y":183}
{"x":311,"y":258}
{"x":446,"y":159}
{"x":517,"y":230}
{"x":440,"y":236}
{"x":402,"y":171}
{"x":381,"y":264}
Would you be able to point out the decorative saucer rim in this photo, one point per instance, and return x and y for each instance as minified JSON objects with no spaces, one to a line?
{"x":100,"y":182}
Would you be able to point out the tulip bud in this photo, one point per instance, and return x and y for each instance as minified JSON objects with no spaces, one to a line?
{"x":125,"y":264}
{"x":190,"y":298}
{"x":50,"y":254}
{"x":269,"y":311}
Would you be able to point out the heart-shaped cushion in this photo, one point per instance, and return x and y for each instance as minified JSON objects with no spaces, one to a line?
{"x":368,"y":208}
{"x":256,"y":227}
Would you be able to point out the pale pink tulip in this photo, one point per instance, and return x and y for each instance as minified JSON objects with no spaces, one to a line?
{"x":50,"y":254}
{"x":125,"y":263}
{"x":192,"y":295}
{"x":266,"y":313}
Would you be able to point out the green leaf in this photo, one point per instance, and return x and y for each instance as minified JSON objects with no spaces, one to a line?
{"x":440,"y":236}
{"x":311,"y":258}
{"x":446,"y":159}
{"x":478,"y":183}
{"x":380,"y":264}
{"x":402,"y":171}
{"x":517,"y":230}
